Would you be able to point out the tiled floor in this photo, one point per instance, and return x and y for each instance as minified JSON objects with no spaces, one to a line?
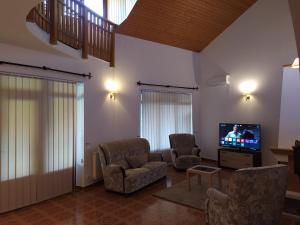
{"x":94,"y":205}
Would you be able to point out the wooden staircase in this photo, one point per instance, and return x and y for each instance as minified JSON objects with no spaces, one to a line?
{"x":74,"y":24}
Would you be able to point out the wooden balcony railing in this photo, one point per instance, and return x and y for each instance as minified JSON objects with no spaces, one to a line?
{"x":72,"y":23}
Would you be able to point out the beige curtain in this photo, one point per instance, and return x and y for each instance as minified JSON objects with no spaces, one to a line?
{"x":164,"y":113}
{"x":36,"y":140}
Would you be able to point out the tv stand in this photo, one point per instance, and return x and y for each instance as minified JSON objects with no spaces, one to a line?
{"x":238,"y":158}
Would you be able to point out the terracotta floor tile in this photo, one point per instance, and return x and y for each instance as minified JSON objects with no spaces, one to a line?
{"x":95,"y":206}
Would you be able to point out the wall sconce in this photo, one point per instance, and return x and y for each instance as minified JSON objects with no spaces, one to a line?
{"x":295,"y":64}
{"x":112,"y":87}
{"x":247,"y":88}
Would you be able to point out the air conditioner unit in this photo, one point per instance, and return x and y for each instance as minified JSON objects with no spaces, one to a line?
{"x":220,"y":80}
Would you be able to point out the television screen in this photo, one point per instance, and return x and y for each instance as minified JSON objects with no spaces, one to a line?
{"x":244,"y":136}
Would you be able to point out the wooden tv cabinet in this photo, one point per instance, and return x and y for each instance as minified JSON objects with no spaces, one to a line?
{"x":237,"y":159}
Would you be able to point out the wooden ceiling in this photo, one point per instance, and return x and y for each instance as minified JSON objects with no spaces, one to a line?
{"x":294,"y":7}
{"x":187,"y":24}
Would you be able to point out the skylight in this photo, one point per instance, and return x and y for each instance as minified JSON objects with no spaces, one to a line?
{"x":117,"y":12}
{"x":95,"y":5}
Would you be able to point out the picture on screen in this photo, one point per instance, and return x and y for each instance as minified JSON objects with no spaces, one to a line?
{"x":242,"y":136}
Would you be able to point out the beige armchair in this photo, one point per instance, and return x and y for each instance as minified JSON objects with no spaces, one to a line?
{"x":254,"y":196}
{"x":184,"y":151}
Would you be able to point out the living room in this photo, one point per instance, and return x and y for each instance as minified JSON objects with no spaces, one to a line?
{"x":253,"y":48}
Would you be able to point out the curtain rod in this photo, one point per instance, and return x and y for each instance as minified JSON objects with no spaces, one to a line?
{"x":139,"y":83}
{"x":89,"y":76}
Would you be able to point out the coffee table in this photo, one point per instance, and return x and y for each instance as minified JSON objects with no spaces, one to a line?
{"x":202,"y":170}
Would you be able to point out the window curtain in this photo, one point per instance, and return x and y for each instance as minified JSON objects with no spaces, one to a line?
{"x":164,"y":113}
{"x":118,"y":10}
{"x":37,"y":134}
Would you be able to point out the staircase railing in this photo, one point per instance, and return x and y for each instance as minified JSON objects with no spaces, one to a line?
{"x":72,"y":23}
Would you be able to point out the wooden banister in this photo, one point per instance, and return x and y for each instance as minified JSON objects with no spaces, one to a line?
{"x":112,"y":55}
{"x":53,"y":22}
{"x":85,"y":34}
{"x":105,"y":9}
{"x":74,"y":24}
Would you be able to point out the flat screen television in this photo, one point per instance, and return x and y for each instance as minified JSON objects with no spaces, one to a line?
{"x":240,"y":136}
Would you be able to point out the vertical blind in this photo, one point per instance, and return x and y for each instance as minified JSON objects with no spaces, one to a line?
{"x":37,"y":133}
{"x":164,"y":113}
{"x":118,"y":10}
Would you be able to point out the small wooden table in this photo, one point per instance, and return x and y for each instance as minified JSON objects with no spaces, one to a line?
{"x":202,"y":170}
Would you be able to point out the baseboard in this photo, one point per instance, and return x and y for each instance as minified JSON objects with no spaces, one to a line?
{"x":90,"y":183}
{"x":209,"y":160}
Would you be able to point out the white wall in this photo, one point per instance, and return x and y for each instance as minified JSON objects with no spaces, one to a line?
{"x":289,"y":126}
{"x":254,"y":47}
{"x":107,"y":120}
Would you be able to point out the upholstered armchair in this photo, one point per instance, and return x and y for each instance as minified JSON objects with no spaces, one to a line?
{"x":184,"y":151}
{"x":254,"y":196}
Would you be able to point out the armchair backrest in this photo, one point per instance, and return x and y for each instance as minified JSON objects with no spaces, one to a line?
{"x":260,"y":190}
{"x":117,"y":151}
{"x":182,"y":140}
{"x":183,"y":143}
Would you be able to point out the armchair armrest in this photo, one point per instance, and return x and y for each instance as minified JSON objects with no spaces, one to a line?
{"x":196,"y":151}
{"x":216,"y":207}
{"x":114,"y":176}
{"x":114,"y":169}
{"x":155,"y":156}
{"x":174,"y":153}
{"x":215,"y":195}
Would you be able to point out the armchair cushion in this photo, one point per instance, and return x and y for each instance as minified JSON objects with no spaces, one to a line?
{"x":155,"y":165}
{"x":123,"y":163}
{"x":140,"y":177}
{"x":135,"y":172}
{"x":155,"y":156}
{"x":184,"y":151}
{"x":186,"y":161}
{"x":136,"y":161}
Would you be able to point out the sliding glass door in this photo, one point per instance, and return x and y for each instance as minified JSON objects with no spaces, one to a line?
{"x":37,"y":140}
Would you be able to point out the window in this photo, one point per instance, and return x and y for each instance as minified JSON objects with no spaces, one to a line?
{"x":164,"y":113}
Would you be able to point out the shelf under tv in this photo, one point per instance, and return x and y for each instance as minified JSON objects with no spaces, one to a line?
{"x":234,"y":158}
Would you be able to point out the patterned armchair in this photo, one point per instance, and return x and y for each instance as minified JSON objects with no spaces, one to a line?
{"x":128,"y":165}
{"x":254,"y":196}
{"x":184,"y":151}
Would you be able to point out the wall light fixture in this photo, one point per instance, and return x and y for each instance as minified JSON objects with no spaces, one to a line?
{"x":112,"y":87}
{"x":247,"y":88}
